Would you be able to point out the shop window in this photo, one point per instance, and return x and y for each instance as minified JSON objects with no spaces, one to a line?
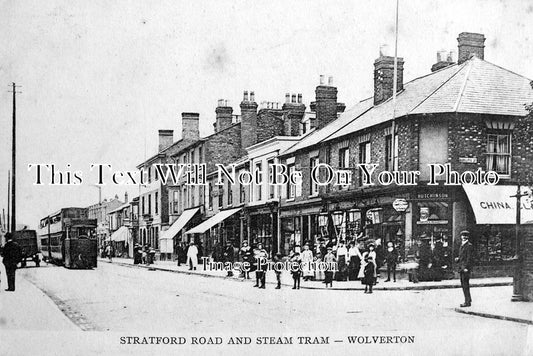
{"x":495,"y":243}
{"x":339,"y":223}
{"x":499,"y":153}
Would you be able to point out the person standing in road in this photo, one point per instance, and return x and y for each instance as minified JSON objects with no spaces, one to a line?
{"x":109,"y":251}
{"x":369,"y":278}
{"x":330,"y":260}
{"x":261,"y":266}
{"x":192,"y":256}
{"x":246,"y":257}
{"x":307,"y":259}
{"x":229,"y":256}
{"x":354,"y":260}
{"x":12,"y":254}
{"x":296,"y":271}
{"x":465,"y":263}
{"x":278,"y":258}
{"x":391,"y":257}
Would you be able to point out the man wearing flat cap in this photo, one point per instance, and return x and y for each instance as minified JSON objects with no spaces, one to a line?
{"x":465,"y":262}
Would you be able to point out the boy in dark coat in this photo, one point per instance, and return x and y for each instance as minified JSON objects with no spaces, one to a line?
{"x":391,"y":257}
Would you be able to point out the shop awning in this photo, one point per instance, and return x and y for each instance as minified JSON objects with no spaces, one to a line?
{"x":179,"y":224}
{"x":494,"y":204}
{"x":122,"y":234}
{"x":212,"y":221}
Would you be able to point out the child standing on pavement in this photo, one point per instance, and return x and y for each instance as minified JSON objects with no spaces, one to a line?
{"x":329,"y":259}
{"x":296,"y":270}
{"x":277,"y":258}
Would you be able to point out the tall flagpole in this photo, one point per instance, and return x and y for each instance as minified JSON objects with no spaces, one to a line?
{"x":14,"y":162}
{"x":394,"y":89}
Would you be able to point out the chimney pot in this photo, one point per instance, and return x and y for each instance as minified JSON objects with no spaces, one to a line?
{"x":245,"y":96}
{"x":330,"y":81}
{"x":321,"y":79}
{"x":293,"y":98}
{"x":252,"y":96}
{"x":287,"y":98}
{"x":299,"y":98}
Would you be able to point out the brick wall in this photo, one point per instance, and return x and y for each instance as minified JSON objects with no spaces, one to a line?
{"x":269,"y":124}
{"x":223,"y":147}
{"x":527,"y":272}
{"x":522,"y":149}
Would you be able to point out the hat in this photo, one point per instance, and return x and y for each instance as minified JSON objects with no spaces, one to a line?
{"x":465,"y":233}
{"x":330,"y":248}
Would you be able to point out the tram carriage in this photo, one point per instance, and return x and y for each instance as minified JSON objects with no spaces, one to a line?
{"x":68,"y":238}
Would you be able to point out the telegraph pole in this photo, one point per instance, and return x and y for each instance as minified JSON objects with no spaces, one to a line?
{"x":8,"y":199}
{"x":14,"y":161}
{"x":517,"y":278}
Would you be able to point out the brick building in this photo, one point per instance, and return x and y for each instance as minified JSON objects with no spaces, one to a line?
{"x":154,"y":196}
{"x":468,"y":114}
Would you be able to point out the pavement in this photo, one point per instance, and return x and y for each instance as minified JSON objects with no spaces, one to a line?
{"x":28,"y":308}
{"x":286,"y":278}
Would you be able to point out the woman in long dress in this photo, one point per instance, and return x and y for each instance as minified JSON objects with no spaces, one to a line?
{"x":354,"y":258}
{"x":307,"y":259}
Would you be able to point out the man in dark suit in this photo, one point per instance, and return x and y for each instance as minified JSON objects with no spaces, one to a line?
{"x":465,"y":263}
{"x":12,"y":254}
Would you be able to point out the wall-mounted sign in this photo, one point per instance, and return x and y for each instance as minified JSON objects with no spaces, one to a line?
{"x":400,"y":205}
{"x":467,"y":159}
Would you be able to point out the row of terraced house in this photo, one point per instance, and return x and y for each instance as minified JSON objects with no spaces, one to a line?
{"x":468,"y":113}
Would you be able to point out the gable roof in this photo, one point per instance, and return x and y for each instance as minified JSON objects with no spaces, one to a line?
{"x":475,"y":86}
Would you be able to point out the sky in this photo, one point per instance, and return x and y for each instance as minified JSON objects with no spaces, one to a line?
{"x":99,"y":78}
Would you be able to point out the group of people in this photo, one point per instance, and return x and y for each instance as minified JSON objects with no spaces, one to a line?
{"x":143,"y":254}
{"x":360,"y":259}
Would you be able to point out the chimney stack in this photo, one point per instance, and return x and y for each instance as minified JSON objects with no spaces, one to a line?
{"x":325,"y":104}
{"x":470,"y":44}
{"x":248,"y":121}
{"x":223,"y":115}
{"x":126,"y":197}
{"x":190,"y":126}
{"x":166,"y":138}
{"x":384,"y":77}
{"x":293,"y":113}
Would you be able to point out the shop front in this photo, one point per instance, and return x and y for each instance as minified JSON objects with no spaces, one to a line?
{"x":214,"y":233}
{"x":263,"y":225}
{"x":493,"y":213}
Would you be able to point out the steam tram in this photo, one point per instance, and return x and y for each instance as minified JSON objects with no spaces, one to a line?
{"x":68,"y":238}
